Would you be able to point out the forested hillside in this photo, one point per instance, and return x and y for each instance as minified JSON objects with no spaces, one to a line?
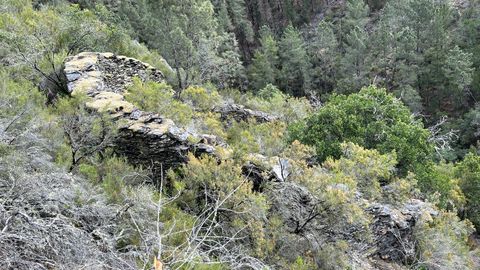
{"x":424,"y":52}
{"x":239,"y":134}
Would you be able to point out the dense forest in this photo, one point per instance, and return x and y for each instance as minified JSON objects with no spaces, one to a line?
{"x":239,"y":134}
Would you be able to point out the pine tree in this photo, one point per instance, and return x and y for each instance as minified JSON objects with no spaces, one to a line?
{"x":323,"y":50}
{"x":223,"y":17}
{"x":353,"y":38}
{"x":263,"y":69}
{"x":356,"y":16}
{"x":242,"y":25}
{"x":353,"y":64}
{"x":395,"y":60}
{"x":295,"y":77}
{"x":433,"y":24}
{"x":469,"y":41}
{"x":458,"y":71}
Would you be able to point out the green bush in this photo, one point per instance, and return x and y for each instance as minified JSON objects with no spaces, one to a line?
{"x":440,"y":184}
{"x":204,"y":182}
{"x":442,"y":242}
{"x":200,"y":98}
{"x":372,"y":119}
{"x":335,"y":187}
{"x":400,"y":190}
{"x":271,"y":100}
{"x":367,"y":167}
{"x":468,"y":171}
{"x":250,"y":137}
{"x":160,"y":98}
{"x":333,"y":256}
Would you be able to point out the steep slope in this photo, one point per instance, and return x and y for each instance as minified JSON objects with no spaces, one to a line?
{"x":147,"y":138}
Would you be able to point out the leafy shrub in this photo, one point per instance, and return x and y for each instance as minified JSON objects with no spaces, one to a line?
{"x":441,"y":184}
{"x":273,"y":101}
{"x":209,"y":123}
{"x":334,"y":189}
{"x":367,"y":167}
{"x":200,"y":98}
{"x":442,"y":242}
{"x":302,"y":264}
{"x":241,"y":140}
{"x":333,"y":256}
{"x":159,"y":97}
{"x":250,"y":137}
{"x":400,"y":190}
{"x":86,"y":132}
{"x":372,"y":119}
{"x":468,"y":171}
{"x":238,"y":209}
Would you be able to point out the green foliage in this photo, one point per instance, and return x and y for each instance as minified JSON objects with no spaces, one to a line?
{"x":159,"y":97}
{"x":115,"y":173}
{"x":367,"y":167}
{"x":250,"y":137}
{"x":210,"y":123}
{"x":334,"y":256}
{"x":19,"y":100}
{"x":468,"y":171}
{"x":204,"y":180}
{"x":440,"y":182}
{"x":40,"y":39}
{"x":204,"y":177}
{"x":301,"y":264}
{"x":198,"y":50}
{"x":424,"y":52}
{"x":469,"y":124}
{"x":353,"y":67}
{"x":356,"y":15}
{"x":88,"y":171}
{"x":323,"y":50}
{"x":200,"y":98}
{"x":264,"y":67}
{"x":401,"y":190}
{"x":371,"y":118}
{"x":334,"y":185}
{"x":442,"y":242}
{"x":272,"y":100}
{"x":469,"y":37}
{"x":86,"y":132}
{"x":295,"y":71}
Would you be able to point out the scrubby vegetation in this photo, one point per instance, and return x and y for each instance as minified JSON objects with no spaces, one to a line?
{"x":354,"y":164}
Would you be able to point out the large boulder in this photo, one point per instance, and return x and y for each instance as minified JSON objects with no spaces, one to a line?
{"x":393,"y":228}
{"x":145,"y":138}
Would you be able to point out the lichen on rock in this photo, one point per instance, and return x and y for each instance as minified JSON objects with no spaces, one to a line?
{"x":145,"y":138}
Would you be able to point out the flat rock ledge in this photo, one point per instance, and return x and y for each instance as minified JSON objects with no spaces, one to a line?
{"x":240,"y":113}
{"x":145,"y":138}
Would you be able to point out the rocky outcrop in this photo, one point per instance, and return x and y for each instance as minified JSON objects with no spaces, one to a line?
{"x":262,"y":170}
{"x":240,"y":113}
{"x":145,"y":138}
{"x":296,"y":206}
{"x":393,"y":229}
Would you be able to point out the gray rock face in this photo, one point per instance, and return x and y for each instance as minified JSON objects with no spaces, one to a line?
{"x":145,"y":138}
{"x":295,"y":205}
{"x":261,"y":170}
{"x":240,"y":113}
{"x":393,"y":229}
